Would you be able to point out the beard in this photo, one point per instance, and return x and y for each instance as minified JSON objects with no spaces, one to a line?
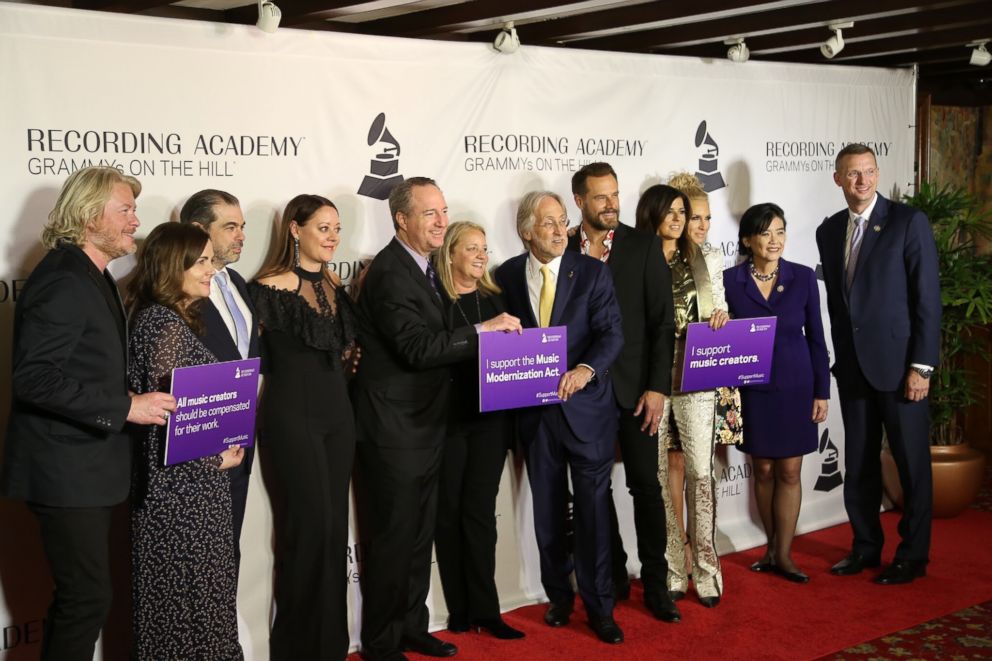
{"x":599,"y":221}
{"x":110,"y":243}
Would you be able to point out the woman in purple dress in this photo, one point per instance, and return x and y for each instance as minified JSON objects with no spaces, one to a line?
{"x":781,"y":417}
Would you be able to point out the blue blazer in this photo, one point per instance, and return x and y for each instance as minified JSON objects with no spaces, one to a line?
{"x":891,"y":317}
{"x":799,"y":357}
{"x":586,"y":304}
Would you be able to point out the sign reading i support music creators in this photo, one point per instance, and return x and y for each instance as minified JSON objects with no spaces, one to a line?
{"x":517,"y":370}
{"x":739,"y":354}
{"x":215,"y":409}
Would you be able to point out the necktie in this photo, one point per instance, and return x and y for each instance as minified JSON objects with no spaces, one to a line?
{"x":239,"y":320}
{"x":547,"y":299}
{"x":432,"y":278}
{"x":852,"y":257}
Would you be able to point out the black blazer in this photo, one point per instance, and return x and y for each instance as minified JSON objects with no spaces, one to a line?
{"x":217,"y":337}
{"x":643,"y":284}
{"x":65,"y":444}
{"x":401,"y":389}
{"x":891,"y":317}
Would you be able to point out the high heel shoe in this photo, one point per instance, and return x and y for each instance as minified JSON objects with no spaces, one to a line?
{"x":498,"y":628}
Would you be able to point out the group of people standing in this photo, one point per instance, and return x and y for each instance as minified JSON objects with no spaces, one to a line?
{"x":386,"y":382}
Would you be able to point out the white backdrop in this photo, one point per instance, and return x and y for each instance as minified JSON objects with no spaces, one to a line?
{"x":185,"y":106}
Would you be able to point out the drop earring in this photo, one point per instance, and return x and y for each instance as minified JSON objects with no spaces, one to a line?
{"x":296,"y":251}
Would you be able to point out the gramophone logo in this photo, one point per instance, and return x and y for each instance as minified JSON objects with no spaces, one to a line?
{"x":709,"y":171}
{"x":830,"y":477}
{"x":385,"y":164}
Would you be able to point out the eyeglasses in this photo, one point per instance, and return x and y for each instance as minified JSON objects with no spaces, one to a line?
{"x":479,"y":250}
{"x":853,"y":175}
{"x":549,"y":224}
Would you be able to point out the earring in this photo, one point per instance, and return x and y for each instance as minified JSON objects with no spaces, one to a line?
{"x":296,"y":251}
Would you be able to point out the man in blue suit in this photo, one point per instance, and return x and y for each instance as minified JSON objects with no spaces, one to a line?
{"x":883,"y":294}
{"x":547,"y":286}
{"x":229,"y":319}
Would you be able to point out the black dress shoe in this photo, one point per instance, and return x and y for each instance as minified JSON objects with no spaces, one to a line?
{"x":710,"y":602}
{"x":676,"y":595}
{"x":794,"y":576}
{"x":428,"y":645}
{"x":498,"y":628}
{"x":557,"y":615}
{"x":762,"y":566}
{"x":606,"y":629}
{"x":663,"y":607}
{"x":458,"y":623}
{"x":900,"y":572}
{"x":621,"y":589}
{"x":853,"y":564}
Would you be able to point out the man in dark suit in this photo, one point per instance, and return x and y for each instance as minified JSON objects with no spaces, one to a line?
{"x":547,"y":286}
{"x":401,"y":400}
{"x":228,"y":315}
{"x":66,"y":452}
{"x":642,"y":375}
{"x":883,"y":294}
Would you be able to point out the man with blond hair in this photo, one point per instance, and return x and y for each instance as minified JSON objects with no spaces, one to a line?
{"x":67,"y":455}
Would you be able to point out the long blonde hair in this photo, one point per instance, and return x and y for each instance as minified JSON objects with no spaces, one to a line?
{"x":442,"y":261}
{"x":81,"y":201}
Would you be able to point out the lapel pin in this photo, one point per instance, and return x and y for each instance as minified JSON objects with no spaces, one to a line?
{"x":877,"y":228}
{"x":571,"y":273}
{"x":780,"y":289}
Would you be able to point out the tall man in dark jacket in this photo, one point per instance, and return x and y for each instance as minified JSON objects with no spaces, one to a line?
{"x":883,"y":294}
{"x":401,"y":402}
{"x":228,"y":315}
{"x":642,"y":374}
{"x":66,"y":452}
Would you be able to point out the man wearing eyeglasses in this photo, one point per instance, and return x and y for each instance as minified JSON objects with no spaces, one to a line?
{"x":547,"y":286}
{"x":883,"y":295}
{"x":642,"y":375}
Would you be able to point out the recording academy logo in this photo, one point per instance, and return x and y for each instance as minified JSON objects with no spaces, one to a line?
{"x":385,"y":164}
{"x":709,"y":170}
{"x":830,"y":477}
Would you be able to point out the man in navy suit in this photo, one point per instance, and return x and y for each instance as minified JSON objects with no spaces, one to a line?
{"x":883,"y":294}
{"x":547,"y":286}
{"x":228,"y":314}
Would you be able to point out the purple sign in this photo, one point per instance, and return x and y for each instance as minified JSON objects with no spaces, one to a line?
{"x":215,"y":408}
{"x":521,"y":370}
{"x":739,"y":354}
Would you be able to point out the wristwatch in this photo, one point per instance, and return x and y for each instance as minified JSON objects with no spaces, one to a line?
{"x":925,"y":372}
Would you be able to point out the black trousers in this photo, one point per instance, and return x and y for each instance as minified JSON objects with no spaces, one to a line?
{"x":551,"y":455}
{"x":465,"y":540}
{"x":401,"y":485}
{"x":907,"y":426}
{"x":640,"y":461}
{"x":76,"y":544}
{"x":313,"y":474}
{"x":239,"y":498}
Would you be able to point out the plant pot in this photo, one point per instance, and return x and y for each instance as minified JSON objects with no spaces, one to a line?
{"x":957,"y":477}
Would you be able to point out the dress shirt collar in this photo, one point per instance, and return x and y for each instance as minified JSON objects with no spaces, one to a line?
{"x":866,"y":214}
{"x":417,"y":257}
{"x":534,"y":265}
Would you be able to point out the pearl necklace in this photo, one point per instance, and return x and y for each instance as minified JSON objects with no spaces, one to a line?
{"x":761,"y":276}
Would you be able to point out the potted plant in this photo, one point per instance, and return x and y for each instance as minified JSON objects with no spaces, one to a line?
{"x":966,"y":292}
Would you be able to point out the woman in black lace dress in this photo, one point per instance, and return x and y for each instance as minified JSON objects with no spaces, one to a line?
{"x":307,"y":429}
{"x":182,"y":546}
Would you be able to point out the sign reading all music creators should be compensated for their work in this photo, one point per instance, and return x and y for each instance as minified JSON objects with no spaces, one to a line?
{"x":521,"y":370}
{"x":215,"y":409}
{"x":739,"y":354}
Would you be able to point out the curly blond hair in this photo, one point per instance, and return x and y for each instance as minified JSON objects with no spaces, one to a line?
{"x":688,"y":184}
{"x":81,"y":201}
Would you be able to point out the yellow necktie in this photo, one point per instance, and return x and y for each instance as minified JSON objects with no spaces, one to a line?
{"x":547,"y":299}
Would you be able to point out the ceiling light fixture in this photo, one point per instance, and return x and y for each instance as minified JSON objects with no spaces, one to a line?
{"x":835,"y":44}
{"x":738,"y":51}
{"x":507,"y":40}
{"x":980,"y":55}
{"x":268,"y":16}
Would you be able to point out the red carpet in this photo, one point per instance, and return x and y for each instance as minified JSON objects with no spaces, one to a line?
{"x":766,"y":617}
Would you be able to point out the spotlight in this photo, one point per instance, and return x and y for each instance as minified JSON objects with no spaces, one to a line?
{"x":738,"y":51}
{"x":507,"y":40}
{"x":268,"y":16}
{"x":835,"y":44}
{"x":980,"y":56}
